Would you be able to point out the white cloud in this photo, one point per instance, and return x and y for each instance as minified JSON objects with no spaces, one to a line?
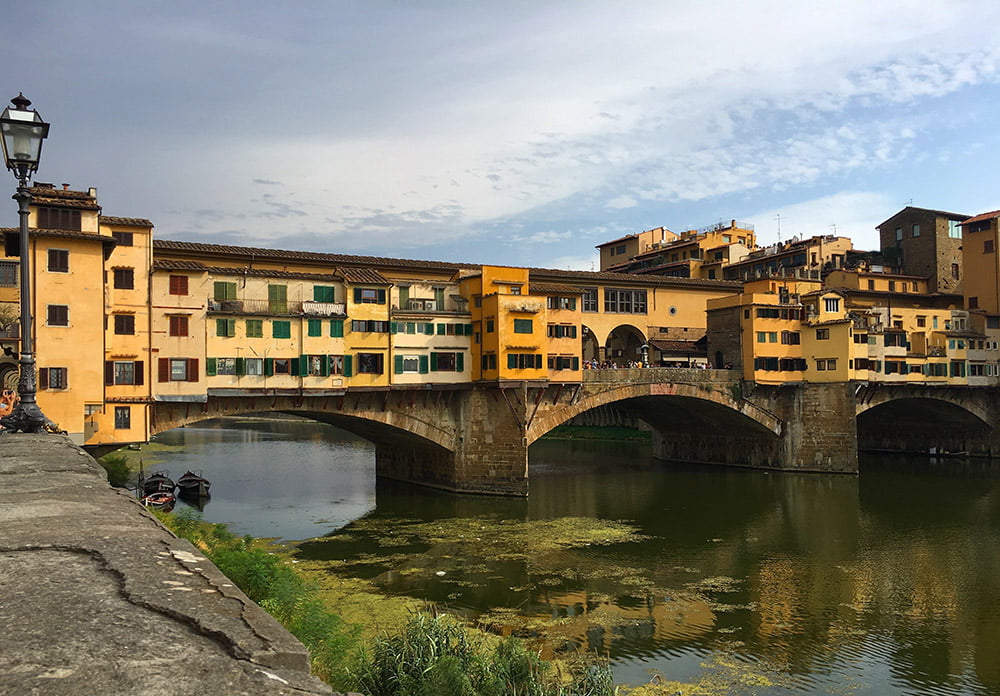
{"x":851,"y":214}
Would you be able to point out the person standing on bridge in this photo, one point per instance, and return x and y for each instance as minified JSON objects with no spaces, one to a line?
{"x":8,"y":400}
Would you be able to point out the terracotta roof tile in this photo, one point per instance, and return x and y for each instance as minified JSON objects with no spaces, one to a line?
{"x":196,"y":266}
{"x":125,"y":221}
{"x":983,"y":216}
{"x":553,"y":288}
{"x":69,"y":234}
{"x":363,"y":276}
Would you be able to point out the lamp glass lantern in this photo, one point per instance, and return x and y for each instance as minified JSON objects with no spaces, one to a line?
{"x":23,"y":131}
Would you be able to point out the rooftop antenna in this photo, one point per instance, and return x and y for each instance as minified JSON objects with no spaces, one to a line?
{"x":778,"y":217}
{"x":834,"y":228}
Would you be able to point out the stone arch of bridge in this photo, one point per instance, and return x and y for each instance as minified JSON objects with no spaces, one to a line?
{"x":925,"y":423}
{"x":664,"y":405}
{"x":930,"y":400}
{"x":392,"y":426}
{"x":623,"y":343}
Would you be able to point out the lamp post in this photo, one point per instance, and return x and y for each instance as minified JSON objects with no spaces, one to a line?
{"x":23,"y":132}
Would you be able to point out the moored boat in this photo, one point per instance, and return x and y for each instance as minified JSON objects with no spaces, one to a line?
{"x":157,"y":482}
{"x":161,"y":501}
{"x":194,"y":485}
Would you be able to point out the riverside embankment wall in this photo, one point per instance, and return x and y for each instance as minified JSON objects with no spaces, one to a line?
{"x":96,"y":597}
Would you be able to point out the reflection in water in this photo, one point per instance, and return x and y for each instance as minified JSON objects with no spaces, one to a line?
{"x":741,"y":581}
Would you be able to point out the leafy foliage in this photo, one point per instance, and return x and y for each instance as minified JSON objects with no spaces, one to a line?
{"x":116,"y":466}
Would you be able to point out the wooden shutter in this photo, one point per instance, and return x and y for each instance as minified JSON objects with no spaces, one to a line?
{"x":459,"y":362}
{"x":241,"y":366}
{"x":399,"y":364}
{"x":43,"y":378}
{"x":324,"y":365}
{"x":163,"y":368}
{"x":357,"y":295}
{"x":429,"y":329}
{"x":348,"y":366}
{"x":337,"y":328}
{"x":268,"y":367}
{"x":440,"y":329}
{"x":423,"y":365}
{"x":434,"y":360}
{"x":109,"y":372}
{"x":210,"y":367}
{"x":381,"y":296}
{"x":140,"y":372}
{"x":192,"y":370}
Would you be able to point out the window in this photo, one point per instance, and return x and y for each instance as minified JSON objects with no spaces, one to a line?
{"x":826,"y":364}
{"x":124,"y":278}
{"x":337,"y":328}
{"x":589,"y":300}
{"x":57,"y":315}
{"x":987,"y":246}
{"x":620,"y":249}
{"x":370,"y":363}
{"x":369,"y":296}
{"x":822,"y":334}
{"x":123,"y":238}
{"x":178,"y":285}
{"x":762,"y":337}
{"x":515,"y":289}
{"x":954,"y":271}
{"x":624,"y":301}
{"x":489,"y":326}
{"x":225,"y":328}
{"x":921,"y":321}
{"x":523,"y":326}
{"x":123,"y":372}
{"x":916,"y":230}
{"x":871,"y":284}
{"x":58,"y":218}
{"x":338,"y":365}
{"x":323,"y":293}
{"x":123,"y":417}
{"x":954,"y":229}
{"x":892,"y":287}
{"x":439,"y":298}
{"x":561,"y":303}
{"x":790,"y":338}
{"x":899,"y":234}
{"x":407,"y":364}
{"x":224,"y":291}
{"x":446,"y":362}
{"x":524,"y":361}
{"x":489,"y":361}
{"x":53,"y":378}
{"x":277,"y":299}
{"x":317,"y":365}
{"x":178,"y":370}
{"x":125,"y":324}
{"x":225,"y":366}
{"x":255,"y":328}
{"x":9,"y":275}
{"x":561,"y":331}
{"x":58,"y":261}
{"x":404,"y":296}
{"x":255,"y":366}
{"x":993,"y":322}
{"x":178,"y":325}
{"x":832,"y":304}
{"x":281,"y":329}
{"x":974,"y":302}
{"x":374,"y":326}
{"x":314,"y":327}
{"x":280,"y":366}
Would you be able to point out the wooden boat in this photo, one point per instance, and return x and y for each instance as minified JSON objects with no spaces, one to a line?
{"x":193,"y":485}
{"x":161,"y":501}
{"x":157,"y":482}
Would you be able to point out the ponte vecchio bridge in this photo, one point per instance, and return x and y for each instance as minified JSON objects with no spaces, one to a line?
{"x":474,"y":438}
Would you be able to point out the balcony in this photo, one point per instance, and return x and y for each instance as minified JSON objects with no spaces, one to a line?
{"x":277,"y":308}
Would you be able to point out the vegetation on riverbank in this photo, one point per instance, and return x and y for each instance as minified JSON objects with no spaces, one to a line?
{"x":595,"y":432}
{"x":428,"y":655}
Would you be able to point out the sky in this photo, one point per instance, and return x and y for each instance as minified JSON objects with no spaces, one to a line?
{"x":507,"y":132}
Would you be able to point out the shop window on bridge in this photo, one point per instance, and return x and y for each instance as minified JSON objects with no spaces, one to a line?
{"x":561,"y":303}
{"x":589,"y":300}
{"x":371,"y":363}
{"x":792,"y":364}
{"x":489,"y":361}
{"x":822,"y":334}
{"x":895,"y":340}
{"x":791,"y":338}
{"x":770,"y":364}
{"x":523,"y":326}
{"x":561,"y":331}
{"x":255,"y":366}
{"x":832,"y":304}
{"x":957,"y":368}
{"x":826,"y":364}
{"x":895,"y":367}
{"x":561,"y":362}
{"x":123,"y":372}
{"x":411,"y":364}
{"x":768,"y":313}
{"x":177,"y":369}
{"x":339,"y":365}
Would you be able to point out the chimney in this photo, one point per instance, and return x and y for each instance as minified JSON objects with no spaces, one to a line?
{"x":65,"y":187}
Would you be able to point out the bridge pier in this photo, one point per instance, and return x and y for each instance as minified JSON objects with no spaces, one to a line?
{"x":490,"y":453}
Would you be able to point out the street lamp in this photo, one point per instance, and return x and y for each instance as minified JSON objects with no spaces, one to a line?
{"x":23,"y":131}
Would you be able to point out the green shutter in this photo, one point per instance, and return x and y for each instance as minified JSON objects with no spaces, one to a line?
{"x":538,"y":361}
{"x":576,"y":363}
{"x":268,"y":367}
{"x":429,"y":329}
{"x":323,"y":293}
{"x":241,"y":366}
{"x":381,"y":296}
{"x":434,"y":362}
{"x":393,"y":327}
{"x":277,"y":298}
{"x":348,"y":371}
{"x":315,"y":327}
{"x":460,"y":362}
{"x":423,"y":365}
{"x":357,"y":295}
{"x":440,"y":330}
{"x":324,"y":366}
{"x":511,"y":360}
{"x":398,"y":362}
{"x":404,"y":296}
{"x":337,"y":328}
{"x":210,"y":367}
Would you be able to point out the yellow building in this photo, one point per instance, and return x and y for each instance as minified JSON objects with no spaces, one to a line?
{"x":693,"y":254}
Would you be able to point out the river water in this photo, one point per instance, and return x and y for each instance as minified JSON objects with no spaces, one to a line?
{"x":723,"y":580}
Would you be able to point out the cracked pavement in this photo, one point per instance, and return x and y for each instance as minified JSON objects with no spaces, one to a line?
{"x":96,"y":597}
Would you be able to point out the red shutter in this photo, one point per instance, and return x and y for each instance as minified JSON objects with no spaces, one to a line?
{"x":109,"y":372}
{"x":43,"y":378}
{"x":140,"y":369}
{"x":164,"y":368}
{"x":192,"y":370}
